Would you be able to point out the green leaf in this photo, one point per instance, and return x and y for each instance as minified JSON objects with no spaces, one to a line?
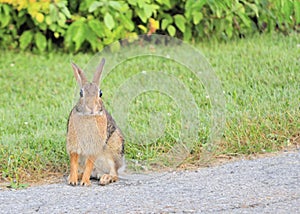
{"x":141,"y":14}
{"x":297,"y":11}
{"x":48,"y":20}
{"x":76,"y":33}
{"x":199,"y":4}
{"x":192,"y":6}
{"x":125,"y":8}
{"x":167,"y":20}
{"x":245,"y":19}
{"x":79,"y":36}
{"x":83,"y":6}
{"x":188,"y":5}
{"x":92,"y":39}
{"x":109,"y":21}
{"x":94,"y":6}
{"x":171,"y":30}
{"x":4,"y":20}
{"x":197,"y":17}
{"x":164,"y":2}
{"x":40,"y":41}
{"x":25,"y":39}
{"x":148,"y":10}
{"x":187,"y":34}
{"x":53,"y":27}
{"x":218,"y":12}
{"x":116,"y":5}
{"x":53,"y":12}
{"x":4,"y":15}
{"x":253,"y":7}
{"x":141,"y":3}
{"x":97,"y":27}
{"x":180,"y":22}
{"x":165,"y":23}
{"x":62,"y":19}
{"x":66,"y":11}
{"x":287,"y":9}
{"x":132,"y":2}
{"x":126,"y":22}
{"x":118,"y":32}
{"x":143,"y":28}
{"x":6,"y":9}
{"x":108,"y":40}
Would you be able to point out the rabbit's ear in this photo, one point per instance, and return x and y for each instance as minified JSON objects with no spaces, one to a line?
{"x":79,"y":75}
{"x":98,"y":72}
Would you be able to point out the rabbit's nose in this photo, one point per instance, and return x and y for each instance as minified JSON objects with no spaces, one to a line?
{"x":92,"y":111}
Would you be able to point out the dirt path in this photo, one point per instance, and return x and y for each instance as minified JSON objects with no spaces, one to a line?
{"x":266,"y":185}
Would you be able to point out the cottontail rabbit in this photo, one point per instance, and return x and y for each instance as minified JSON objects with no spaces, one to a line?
{"x":94,"y":142}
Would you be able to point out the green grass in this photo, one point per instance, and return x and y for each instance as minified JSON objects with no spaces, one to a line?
{"x":260,"y":79}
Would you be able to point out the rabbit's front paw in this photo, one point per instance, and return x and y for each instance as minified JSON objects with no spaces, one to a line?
{"x":85,"y":182}
{"x":73,"y":179}
{"x":106,"y":179}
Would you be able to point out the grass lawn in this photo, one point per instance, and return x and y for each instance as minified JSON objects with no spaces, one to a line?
{"x":260,"y":80}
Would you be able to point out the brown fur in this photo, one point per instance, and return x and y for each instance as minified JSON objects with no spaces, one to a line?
{"x":94,"y":142}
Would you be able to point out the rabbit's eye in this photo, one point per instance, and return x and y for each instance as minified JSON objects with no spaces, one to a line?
{"x":81,"y":93}
{"x":100,"y":93}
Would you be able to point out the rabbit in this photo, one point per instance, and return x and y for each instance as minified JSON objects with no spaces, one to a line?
{"x":94,"y":142}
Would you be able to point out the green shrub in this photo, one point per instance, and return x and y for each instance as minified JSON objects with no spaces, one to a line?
{"x":32,"y":24}
{"x":90,"y":25}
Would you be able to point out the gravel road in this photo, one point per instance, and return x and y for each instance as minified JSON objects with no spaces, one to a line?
{"x":267,"y":185}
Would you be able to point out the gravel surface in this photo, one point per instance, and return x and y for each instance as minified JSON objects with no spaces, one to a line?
{"x":267,"y":185}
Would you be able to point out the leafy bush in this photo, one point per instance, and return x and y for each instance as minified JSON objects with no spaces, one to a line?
{"x":89,"y":24}
{"x":32,"y":24}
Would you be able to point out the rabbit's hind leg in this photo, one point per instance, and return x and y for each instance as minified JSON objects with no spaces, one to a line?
{"x":89,"y":165}
{"x":107,"y":179}
{"x":73,"y":177}
{"x":111,"y":177}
